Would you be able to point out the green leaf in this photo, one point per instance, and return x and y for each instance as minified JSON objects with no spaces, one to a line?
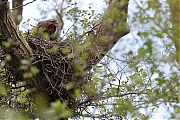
{"x":160,"y":81}
{"x":28,"y":20}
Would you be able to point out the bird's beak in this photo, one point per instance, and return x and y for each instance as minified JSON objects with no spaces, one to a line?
{"x":56,"y":22}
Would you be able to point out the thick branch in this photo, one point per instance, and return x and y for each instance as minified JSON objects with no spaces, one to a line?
{"x":9,"y":32}
{"x":19,"y":50}
{"x":109,"y":29}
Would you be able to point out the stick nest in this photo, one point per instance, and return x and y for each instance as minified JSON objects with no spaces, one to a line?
{"x":58,"y":68}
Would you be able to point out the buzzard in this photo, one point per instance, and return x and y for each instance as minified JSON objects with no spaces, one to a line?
{"x":48,"y":30}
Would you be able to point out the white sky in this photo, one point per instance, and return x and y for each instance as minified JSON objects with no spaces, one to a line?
{"x":31,"y":12}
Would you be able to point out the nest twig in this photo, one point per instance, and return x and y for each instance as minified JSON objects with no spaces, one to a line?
{"x":51,"y":58}
{"x":57,"y":68}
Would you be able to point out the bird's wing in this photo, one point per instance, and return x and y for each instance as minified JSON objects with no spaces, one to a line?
{"x":41,"y":24}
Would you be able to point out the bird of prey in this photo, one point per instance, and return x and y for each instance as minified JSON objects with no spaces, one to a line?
{"x":48,"y":29}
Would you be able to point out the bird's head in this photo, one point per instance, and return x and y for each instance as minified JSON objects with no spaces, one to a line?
{"x":53,"y":21}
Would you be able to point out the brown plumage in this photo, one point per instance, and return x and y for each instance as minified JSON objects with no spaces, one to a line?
{"x":48,"y":29}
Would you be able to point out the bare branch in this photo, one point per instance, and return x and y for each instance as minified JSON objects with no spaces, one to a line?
{"x":22,"y":5}
{"x":60,"y":16}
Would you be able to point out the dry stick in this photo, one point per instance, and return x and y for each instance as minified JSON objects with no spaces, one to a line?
{"x":68,"y":30}
{"x":23,"y":5}
{"x":60,"y":19}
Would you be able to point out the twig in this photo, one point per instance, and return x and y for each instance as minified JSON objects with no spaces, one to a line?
{"x":23,"y":5}
{"x":60,"y":15}
{"x":68,"y":30}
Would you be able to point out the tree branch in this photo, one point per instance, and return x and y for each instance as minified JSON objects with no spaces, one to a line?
{"x":19,"y":50}
{"x":16,"y":6}
{"x":108,"y":29}
{"x":11,"y":34}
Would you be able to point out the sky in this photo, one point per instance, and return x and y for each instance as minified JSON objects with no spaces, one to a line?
{"x":31,"y":12}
